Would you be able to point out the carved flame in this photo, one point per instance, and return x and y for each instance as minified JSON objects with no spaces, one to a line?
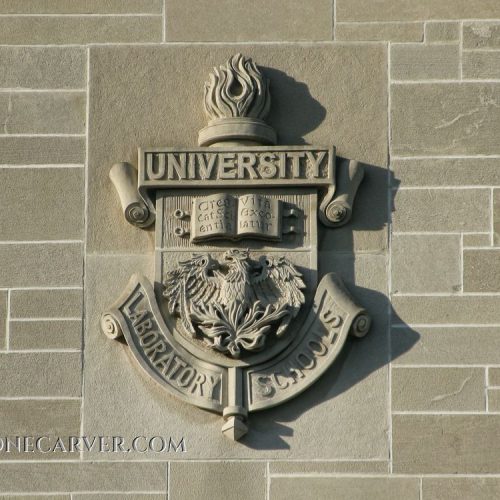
{"x":237,"y":89}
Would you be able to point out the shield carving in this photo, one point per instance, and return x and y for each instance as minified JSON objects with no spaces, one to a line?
{"x":237,"y":319}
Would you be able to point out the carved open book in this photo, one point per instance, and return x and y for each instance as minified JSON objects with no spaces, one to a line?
{"x":224,"y":215}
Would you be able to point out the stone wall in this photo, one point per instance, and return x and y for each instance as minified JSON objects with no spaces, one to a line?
{"x":410,"y":88}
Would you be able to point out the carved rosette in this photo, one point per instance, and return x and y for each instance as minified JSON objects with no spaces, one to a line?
{"x":237,"y":100}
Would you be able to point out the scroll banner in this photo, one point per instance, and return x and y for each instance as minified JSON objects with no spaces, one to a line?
{"x":333,"y":316}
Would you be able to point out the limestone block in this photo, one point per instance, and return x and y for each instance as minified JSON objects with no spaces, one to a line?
{"x":41,"y":30}
{"x":43,"y":334}
{"x":445,"y":119}
{"x":230,"y":20}
{"x":41,"y":204}
{"x":40,"y":374}
{"x":445,"y":444}
{"x":442,"y":210}
{"x":476,"y":240}
{"x":87,"y":477}
{"x":41,"y":264}
{"x":494,"y":377}
{"x":242,"y":480}
{"x":443,"y":345}
{"x":438,"y":389}
{"x":481,"y":65}
{"x":354,"y":488}
{"x":42,"y":150}
{"x":494,"y":400}
{"x":394,"y":32}
{"x":465,"y":310}
{"x":336,"y":467}
{"x":324,"y":94}
{"x":87,"y":7}
{"x":481,"y":35}
{"x":451,"y":488}
{"x":118,"y":496}
{"x":445,"y":172}
{"x":55,"y":303}
{"x":3,"y":317}
{"x":42,"y":113}
{"x":43,"y":67}
{"x":425,"y":62}
{"x":52,"y":418}
{"x":481,"y":270}
{"x":409,"y":10}
{"x":426,"y":263}
{"x":438,"y":31}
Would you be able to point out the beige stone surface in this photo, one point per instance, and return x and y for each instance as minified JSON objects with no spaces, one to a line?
{"x":51,"y":374}
{"x":437,"y":31}
{"x":36,"y":497}
{"x":3,"y":317}
{"x":42,"y":150}
{"x":445,"y":444}
{"x":445,"y":172}
{"x":441,"y":210}
{"x":49,"y":303}
{"x":481,"y":270}
{"x":395,"y":32}
{"x":42,"y":113}
{"x":331,"y":467}
{"x":310,"y":104}
{"x":87,"y":7}
{"x":481,"y":65}
{"x":467,"y":310}
{"x":443,"y":345}
{"x":481,"y":35}
{"x":350,"y":398}
{"x":42,"y":334}
{"x":451,"y":488}
{"x":43,"y":67}
{"x":494,"y":376}
{"x":494,"y":400}
{"x":44,"y":30}
{"x":426,"y":263}
{"x":425,"y":62}
{"x":88,"y":477}
{"x":194,"y":20}
{"x":43,"y":264}
{"x":496,"y":217}
{"x":51,"y":418}
{"x":438,"y":389}
{"x":118,"y":496}
{"x":445,"y":119}
{"x":409,"y":10}
{"x":354,"y":488}
{"x":243,"y":480}
{"x":476,"y":239}
{"x":41,"y":203}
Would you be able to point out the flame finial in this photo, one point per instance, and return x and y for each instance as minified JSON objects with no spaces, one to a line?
{"x":237,"y":100}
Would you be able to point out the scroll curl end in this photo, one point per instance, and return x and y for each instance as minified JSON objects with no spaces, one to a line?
{"x":124,"y":177}
{"x":110,"y":326}
{"x":336,"y":207}
{"x":361,"y":325}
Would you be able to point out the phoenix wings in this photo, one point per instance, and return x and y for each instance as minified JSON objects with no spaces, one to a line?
{"x":199,"y":283}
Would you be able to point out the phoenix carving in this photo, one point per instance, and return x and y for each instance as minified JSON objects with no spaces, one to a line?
{"x":234,"y":303}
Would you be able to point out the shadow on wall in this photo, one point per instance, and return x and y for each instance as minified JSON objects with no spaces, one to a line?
{"x":359,"y":358}
{"x":293,"y":104}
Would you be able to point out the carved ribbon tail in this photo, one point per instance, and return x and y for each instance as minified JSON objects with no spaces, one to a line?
{"x":137,"y":209}
{"x":335,"y":212}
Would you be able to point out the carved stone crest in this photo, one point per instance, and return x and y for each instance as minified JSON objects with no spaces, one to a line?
{"x":236,"y":321}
